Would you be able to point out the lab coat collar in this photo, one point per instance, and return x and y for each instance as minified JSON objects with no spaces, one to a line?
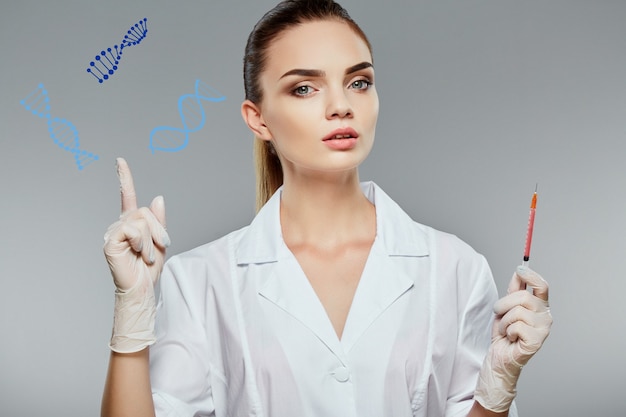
{"x":262,"y":242}
{"x":382,"y":281}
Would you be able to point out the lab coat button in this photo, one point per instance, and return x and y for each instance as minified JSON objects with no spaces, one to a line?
{"x":341,"y":374}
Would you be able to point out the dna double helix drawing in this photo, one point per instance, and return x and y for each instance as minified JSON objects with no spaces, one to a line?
{"x":174,"y":139}
{"x":106,"y":63}
{"x":63,"y":133}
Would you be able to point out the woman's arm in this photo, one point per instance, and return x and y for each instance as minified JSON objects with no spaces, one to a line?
{"x":135,"y":251}
{"x":127,"y":391}
{"x":478,"y":411}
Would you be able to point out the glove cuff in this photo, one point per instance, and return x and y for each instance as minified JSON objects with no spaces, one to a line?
{"x":497,"y":386}
{"x":133,"y":319}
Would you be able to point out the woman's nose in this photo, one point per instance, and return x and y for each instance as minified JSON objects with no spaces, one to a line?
{"x":338,"y":104}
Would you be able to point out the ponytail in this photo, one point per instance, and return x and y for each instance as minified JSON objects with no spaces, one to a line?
{"x":269,"y":172}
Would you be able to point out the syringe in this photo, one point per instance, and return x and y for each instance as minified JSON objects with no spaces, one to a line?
{"x":529,"y":231}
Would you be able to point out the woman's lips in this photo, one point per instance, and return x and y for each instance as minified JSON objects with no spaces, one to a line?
{"x":341,"y":133}
{"x":341,"y":139}
{"x":341,"y":144}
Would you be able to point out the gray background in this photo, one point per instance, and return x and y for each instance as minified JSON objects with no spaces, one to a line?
{"x":479,"y":101}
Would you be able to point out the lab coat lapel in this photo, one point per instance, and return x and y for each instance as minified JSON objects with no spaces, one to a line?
{"x":289,"y":289}
{"x":383,"y":281}
{"x":286,"y":285}
{"x":381,"y":284}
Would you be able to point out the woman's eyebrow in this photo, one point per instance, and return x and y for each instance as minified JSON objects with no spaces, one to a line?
{"x":359,"y":67}
{"x":320,"y":73}
{"x":304,"y":72}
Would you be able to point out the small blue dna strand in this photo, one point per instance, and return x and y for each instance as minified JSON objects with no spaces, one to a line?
{"x":174,"y":139}
{"x":62,"y":132}
{"x":105,"y":63}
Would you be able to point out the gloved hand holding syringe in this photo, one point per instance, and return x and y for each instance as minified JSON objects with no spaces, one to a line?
{"x":522,"y":323}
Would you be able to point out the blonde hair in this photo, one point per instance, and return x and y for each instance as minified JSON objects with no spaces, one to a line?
{"x":269,"y":171}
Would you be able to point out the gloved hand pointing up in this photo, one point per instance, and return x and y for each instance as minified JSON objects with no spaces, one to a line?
{"x":134,"y":248}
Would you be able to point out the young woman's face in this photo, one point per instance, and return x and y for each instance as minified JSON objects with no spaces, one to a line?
{"x":319,"y":105}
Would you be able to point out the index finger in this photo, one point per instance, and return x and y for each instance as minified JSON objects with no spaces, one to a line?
{"x":127,"y":187}
{"x":526,"y":277}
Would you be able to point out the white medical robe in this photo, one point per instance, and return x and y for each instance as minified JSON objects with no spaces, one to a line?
{"x":241,"y":332}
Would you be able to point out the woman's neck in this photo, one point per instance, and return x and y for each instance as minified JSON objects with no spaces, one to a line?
{"x":327,"y":211}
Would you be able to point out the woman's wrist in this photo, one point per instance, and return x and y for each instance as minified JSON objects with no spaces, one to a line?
{"x":133,"y":320}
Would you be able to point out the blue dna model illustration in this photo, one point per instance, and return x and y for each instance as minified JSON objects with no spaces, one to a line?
{"x":106,"y":62}
{"x":174,"y":139}
{"x":62,"y":132}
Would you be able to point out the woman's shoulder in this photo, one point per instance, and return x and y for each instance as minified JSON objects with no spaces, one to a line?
{"x":215,"y":254}
{"x":400,"y":229}
{"x":450,"y":242}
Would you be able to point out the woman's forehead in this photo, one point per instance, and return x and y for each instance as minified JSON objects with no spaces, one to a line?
{"x":314,"y":44}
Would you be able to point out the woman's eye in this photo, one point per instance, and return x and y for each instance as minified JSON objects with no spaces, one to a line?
{"x":361,"y":84}
{"x":302,"y":90}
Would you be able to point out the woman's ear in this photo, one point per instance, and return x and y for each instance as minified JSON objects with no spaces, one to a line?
{"x":252,"y":116}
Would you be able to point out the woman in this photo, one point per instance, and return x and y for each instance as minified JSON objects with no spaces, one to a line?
{"x":333,"y":302}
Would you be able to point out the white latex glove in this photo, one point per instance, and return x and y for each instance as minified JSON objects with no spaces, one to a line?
{"x":522,"y":323}
{"x":134,"y":248}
